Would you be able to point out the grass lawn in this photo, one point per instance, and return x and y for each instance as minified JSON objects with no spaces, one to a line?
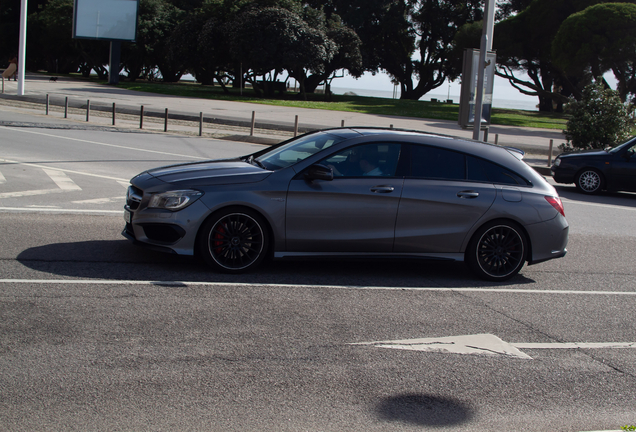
{"x":359,"y":104}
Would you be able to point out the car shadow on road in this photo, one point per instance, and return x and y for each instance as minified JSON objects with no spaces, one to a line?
{"x":120,"y":260}
{"x":424,"y":410}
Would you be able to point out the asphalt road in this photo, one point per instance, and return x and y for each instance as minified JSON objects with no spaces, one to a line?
{"x":97,"y":334}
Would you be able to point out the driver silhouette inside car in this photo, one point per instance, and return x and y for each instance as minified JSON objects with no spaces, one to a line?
{"x":360,"y":162}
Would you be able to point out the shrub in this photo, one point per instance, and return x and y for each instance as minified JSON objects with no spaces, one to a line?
{"x":600,"y":119}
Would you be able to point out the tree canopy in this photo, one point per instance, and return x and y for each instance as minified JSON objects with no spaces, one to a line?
{"x":559,"y":44}
{"x":600,"y":38}
{"x":524,"y":44}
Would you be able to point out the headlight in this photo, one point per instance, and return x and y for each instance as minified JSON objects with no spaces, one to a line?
{"x":557,"y":161}
{"x":174,"y":200}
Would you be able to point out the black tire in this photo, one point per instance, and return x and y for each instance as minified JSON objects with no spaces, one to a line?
{"x":234,"y":240}
{"x":589,"y":181}
{"x":497,"y":251}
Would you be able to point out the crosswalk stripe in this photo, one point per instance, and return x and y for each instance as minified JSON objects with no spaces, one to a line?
{"x":2,"y":179}
{"x":62,"y":180}
{"x":30,"y":193}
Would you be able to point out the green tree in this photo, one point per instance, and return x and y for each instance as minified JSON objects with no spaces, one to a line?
{"x":52,"y":47}
{"x":383,"y":27}
{"x":600,"y":119}
{"x":157,"y":19}
{"x":412,"y":40}
{"x":269,"y":40}
{"x":436,"y":23}
{"x":600,"y":38}
{"x":524,"y":44}
{"x":347,"y":54}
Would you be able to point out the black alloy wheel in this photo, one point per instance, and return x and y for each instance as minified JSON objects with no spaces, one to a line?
{"x":234,"y":241}
{"x":497,"y":251}
{"x":589,"y":181}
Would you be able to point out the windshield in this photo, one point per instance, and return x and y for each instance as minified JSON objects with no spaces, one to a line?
{"x":619,"y":147}
{"x":297,"y":150}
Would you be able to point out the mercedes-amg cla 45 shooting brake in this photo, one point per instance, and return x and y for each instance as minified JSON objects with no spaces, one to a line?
{"x":354,"y":192}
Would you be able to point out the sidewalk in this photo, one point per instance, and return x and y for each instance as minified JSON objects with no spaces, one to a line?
{"x":274,"y":122}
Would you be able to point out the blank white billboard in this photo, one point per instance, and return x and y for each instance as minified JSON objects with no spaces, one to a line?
{"x":105,"y":19}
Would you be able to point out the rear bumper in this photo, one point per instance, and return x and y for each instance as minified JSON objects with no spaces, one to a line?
{"x":549,"y":239}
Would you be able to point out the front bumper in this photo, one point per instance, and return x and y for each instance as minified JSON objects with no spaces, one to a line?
{"x":163,"y":230}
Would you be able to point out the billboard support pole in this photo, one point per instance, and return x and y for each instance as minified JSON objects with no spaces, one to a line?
{"x":22,"y":47}
{"x":114,"y":62}
{"x":486,"y":45}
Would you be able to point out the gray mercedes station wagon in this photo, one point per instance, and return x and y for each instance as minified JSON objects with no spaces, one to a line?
{"x":354,"y":192}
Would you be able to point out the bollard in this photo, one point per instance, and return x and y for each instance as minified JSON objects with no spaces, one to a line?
{"x":296,"y":126}
{"x":165,"y":122}
{"x":200,"y":123}
{"x":141,"y":118}
{"x":550,"y":153}
{"x":496,"y":139}
{"x":486,"y":135}
{"x":47,"y":104}
{"x":342,"y":123}
{"x":253,"y":121}
{"x":88,"y":109}
{"x":114,"y":109}
{"x":391,"y":127}
{"x":66,"y":108}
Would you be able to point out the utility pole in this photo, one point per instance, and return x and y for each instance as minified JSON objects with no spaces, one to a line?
{"x":485,"y":46}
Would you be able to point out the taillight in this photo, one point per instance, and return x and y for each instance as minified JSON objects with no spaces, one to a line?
{"x":556,"y":203}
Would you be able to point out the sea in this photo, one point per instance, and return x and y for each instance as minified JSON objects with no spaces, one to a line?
{"x":527,"y":105}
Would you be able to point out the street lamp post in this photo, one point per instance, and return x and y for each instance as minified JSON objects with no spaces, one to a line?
{"x":486,"y":45}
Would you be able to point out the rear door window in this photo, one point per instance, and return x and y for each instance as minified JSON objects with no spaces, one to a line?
{"x":437,"y":163}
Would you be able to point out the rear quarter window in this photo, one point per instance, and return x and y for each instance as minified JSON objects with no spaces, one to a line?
{"x":483,"y":170}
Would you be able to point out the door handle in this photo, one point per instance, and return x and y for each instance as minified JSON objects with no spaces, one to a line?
{"x":468,"y":194}
{"x":382,"y":189}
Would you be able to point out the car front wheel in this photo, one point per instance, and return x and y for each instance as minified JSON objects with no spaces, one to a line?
{"x":589,"y":181}
{"x":497,"y":251}
{"x":234,"y":241}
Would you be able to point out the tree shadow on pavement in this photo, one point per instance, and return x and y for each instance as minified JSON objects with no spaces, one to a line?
{"x":424,"y":410}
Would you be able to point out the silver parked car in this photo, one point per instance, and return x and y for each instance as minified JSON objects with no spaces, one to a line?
{"x":354,"y":192}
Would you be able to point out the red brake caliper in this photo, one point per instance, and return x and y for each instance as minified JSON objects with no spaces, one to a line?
{"x":218,"y":240}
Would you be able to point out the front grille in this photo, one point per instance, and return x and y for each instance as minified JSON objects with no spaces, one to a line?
{"x":133,"y":197}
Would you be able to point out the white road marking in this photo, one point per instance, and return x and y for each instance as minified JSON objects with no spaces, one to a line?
{"x":30,"y":193}
{"x":63,"y":181}
{"x":606,"y":206}
{"x":101,"y":200}
{"x":36,"y":206}
{"x":105,"y":144}
{"x":304,"y":286}
{"x":573,"y":345}
{"x":125,"y":184}
{"x":45,"y":209}
{"x":481,"y":344}
{"x":64,"y":170}
{"x":486,"y":344}
{"x":2,"y":179}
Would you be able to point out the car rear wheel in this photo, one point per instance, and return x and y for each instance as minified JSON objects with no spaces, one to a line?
{"x":234,"y":241}
{"x":497,"y":251}
{"x":589,"y":181}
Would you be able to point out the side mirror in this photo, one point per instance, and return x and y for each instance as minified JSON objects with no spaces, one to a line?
{"x":319,"y":172}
